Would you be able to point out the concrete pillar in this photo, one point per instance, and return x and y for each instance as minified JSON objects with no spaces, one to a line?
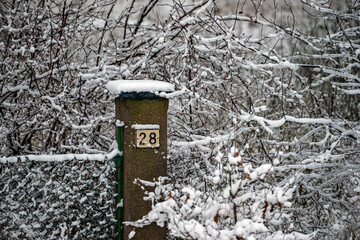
{"x":144,"y":146}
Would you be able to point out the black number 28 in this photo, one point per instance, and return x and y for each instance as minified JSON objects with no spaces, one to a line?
{"x":152,"y":139}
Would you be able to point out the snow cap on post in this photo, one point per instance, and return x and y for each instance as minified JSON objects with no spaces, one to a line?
{"x":139,"y":89}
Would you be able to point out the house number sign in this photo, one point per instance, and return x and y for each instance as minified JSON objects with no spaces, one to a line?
{"x":147,"y":136}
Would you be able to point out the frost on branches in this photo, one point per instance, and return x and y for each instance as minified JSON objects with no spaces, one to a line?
{"x":52,"y":89}
{"x":264,"y":125}
{"x":234,"y":201}
{"x":281,"y":94}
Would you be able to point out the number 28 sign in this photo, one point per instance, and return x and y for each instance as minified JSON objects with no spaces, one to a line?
{"x":147,"y":138}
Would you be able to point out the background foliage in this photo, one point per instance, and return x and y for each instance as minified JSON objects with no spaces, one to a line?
{"x":263,"y":130}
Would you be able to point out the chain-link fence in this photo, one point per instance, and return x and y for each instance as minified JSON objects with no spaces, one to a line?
{"x":51,"y":199}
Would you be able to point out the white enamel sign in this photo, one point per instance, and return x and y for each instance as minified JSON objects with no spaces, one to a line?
{"x":147,"y":138}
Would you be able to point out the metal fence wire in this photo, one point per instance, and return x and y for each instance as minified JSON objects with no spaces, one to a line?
{"x":71,"y":199}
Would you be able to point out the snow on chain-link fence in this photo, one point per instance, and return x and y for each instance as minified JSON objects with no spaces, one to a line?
{"x":57,"y":197}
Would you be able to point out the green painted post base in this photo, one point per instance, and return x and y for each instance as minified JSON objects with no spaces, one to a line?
{"x":118,"y":170}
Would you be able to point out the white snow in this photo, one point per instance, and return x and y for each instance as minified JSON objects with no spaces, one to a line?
{"x":351,"y":91}
{"x":120,"y":86}
{"x":60,"y":157}
{"x":131,"y":234}
{"x":173,"y":94}
{"x":234,"y":156}
{"x":145,"y":126}
{"x":204,"y":141}
{"x":120,"y":123}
